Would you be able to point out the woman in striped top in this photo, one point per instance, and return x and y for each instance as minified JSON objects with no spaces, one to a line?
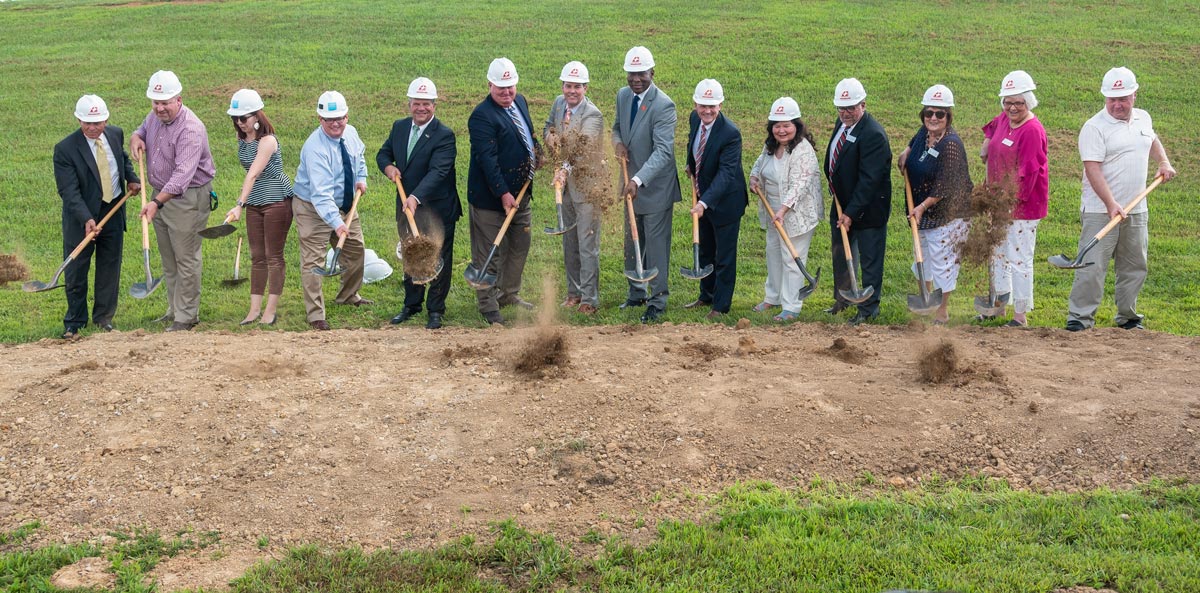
{"x":267,"y":197}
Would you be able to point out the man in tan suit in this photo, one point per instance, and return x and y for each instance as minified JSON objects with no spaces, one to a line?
{"x":574,"y":120}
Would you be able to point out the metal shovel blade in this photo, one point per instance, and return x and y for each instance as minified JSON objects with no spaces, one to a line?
{"x":478,"y":278}
{"x":39,"y":286}
{"x":990,"y":305}
{"x":216,"y":232}
{"x":562,"y":228}
{"x":1061,"y":261}
{"x":642,"y":276}
{"x":436,"y":271}
{"x":233,"y":281}
{"x":811,"y":281}
{"x":854,"y":294}
{"x":141,"y":290}
{"x":333,"y":270}
{"x":696,"y":272}
{"x":925,"y":303}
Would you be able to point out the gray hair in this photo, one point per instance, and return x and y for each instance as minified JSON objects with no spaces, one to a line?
{"x":1031,"y":101}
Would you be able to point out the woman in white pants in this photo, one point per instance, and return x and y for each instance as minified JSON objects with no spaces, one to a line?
{"x":788,"y":174}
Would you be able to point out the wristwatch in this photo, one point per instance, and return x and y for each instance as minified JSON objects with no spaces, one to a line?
{"x":157,"y":203}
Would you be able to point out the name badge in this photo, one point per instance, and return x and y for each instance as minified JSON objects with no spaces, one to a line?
{"x":933,"y":153}
{"x":1007,"y":142}
{"x":850,"y":138}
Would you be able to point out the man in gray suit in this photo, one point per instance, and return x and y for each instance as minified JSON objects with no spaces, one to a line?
{"x":644,"y":132}
{"x":575,"y":123}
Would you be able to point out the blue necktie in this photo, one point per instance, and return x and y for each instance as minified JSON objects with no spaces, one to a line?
{"x":633,"y":109}
{"x":348,"y":176}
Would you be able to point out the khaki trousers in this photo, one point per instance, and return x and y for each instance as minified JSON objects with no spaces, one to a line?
{"x":175,"y":229}
{"x":1127,"y":246}
{"x":509,"y":263}
{"x":315,"y":237}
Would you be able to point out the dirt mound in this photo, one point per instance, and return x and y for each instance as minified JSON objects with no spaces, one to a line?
{"x":12,"y":269}
{"x":547,"y":349}
{"x":991,"y":215}
{"x":420,"y":256}
{"x":939,"y":362}
{"x":266,"y":367}
{"x":846,"y":352}
{"x":91,"y":573}
{"x":702,"y":351}
{"x":460,"y":352}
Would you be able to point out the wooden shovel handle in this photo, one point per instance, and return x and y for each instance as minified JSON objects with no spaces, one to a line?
{"x":99,"y":227}
{"x":778,"y":226}
{"x":511,"y":213}
{"x":145,"y":182}
{"x":1134,"y":202}
{"x":237,"y":260}
{"x":633,"y":233}
{"x":558,"y":191}
{"x":845,"y":236}
{"x":412,"y":224}
{"x":350,"y":218}
{"x":912,"y":222}
{"x":695,"y":217}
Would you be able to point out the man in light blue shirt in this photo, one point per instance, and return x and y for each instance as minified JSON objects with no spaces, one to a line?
{"x":332,"y":168}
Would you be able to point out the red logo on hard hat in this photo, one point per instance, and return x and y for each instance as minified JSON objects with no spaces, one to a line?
{"x":937,"y":95}
{"x":779,"y":110}
{"x":421,"y":89}
{"x":845,"y":95}
{"x":708,"y":93}
{"x":94,"y":110}
{"x":1008,"y":84}
{"x":1118,"y":84}
{"x":574,"y":71}
{"x":636,"y":61}
{"x":507,"y":75}
{"x":158,"y":88}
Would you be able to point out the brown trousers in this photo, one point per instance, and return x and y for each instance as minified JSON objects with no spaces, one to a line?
{"x":509,"y":263}
{"x":315,"y":237}
{"x":267,"y":228}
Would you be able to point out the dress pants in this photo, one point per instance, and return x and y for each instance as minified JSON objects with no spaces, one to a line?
{"x":869,"y":246}
{"x":108,"y":248}
{"x":439,"y":287}
{"x":654,"y":231}
{"x":581,"y":251}
{"x":718,"y":246}
{"x":509,"y":263}
{"x":315,"y":238}
{"x":175,"y":228}
{"x":784,"y":279}
{"x":1127,"y":245}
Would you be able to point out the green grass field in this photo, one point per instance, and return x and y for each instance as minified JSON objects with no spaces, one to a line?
{"x":291,"y":52}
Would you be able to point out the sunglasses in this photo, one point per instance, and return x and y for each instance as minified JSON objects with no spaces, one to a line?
{"x":928,"y":113}
{"x":242,"y":118}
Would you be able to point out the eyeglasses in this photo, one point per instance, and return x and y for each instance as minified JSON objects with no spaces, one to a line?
{"x":928,"y":113}
{"x":848,"y":109}
{"x":333,"y":120}
{"x":1011,"y":104}
{"x":242,"y":118}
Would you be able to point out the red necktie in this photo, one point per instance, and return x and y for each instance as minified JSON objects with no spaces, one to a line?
{"x":700,"y":149}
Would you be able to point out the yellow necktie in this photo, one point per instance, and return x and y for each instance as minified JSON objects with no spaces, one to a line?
{"x":106,"y":190}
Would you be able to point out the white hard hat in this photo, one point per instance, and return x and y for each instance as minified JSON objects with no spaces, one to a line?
{"x":784,"y":109}
{"x":244,"y":102}
{"x":332,"y":104}
{"x":91,"y":109}
{"x":938,"y":95}
{"x":849,"y":92}
{"x":502,"y":73}
{"x":374,"y":268}
{"x":422,"y":88}
{"x":1017,"y":82}
{"x":638,"y":59}
{"x":163,"y":85}
{"x":1119,"y":82}
{"x":708,"y":92}
{"x":574,"y":72}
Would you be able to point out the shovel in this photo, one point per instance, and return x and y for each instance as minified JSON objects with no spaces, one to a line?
{"x":237,"y":268}
{"x":993,"y":304}
{"x":639,"y":274}
{"x":696,"y":272}
{"x":1062,"y":261}
{"x":811,"y":280}
{"x":562,"y":228}
{"x":38,"y":286}
{"x":412,"y":228}
{"x":478,"y":278}
{"x":924,"y":303}
{"x":141,"y":290}
{"x":221,"y":230}
{"x":337,"y":268}
{"x":854,"y":295}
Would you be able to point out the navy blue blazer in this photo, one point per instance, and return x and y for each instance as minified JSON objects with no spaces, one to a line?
{"x":862,"y":177}
{"x":79,"y":181}
{"x":429,"y":173}
{"x":721,"y":180}
{"x":499,"y":162}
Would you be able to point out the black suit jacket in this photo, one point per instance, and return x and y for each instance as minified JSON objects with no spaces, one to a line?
{"x":79,"y":181}
{"x":429,"y":173}
{"x":862,"y":176}
{"x":499,"y":161}
{"x":721,"y":180}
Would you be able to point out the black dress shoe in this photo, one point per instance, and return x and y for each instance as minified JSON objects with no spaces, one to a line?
{"x":860,"y":318}
{"x":435,"y":321}
{"x":652,"y":314}
{"x":1075,"y":326}
{"x":1133,"y":324}
{"x":697,"y":303}
{"x":494,"y":318}
{"x":404,"y":315}
{"x":633,"y":303}
{"x":836,"y":308}
{"x":106,"y":326}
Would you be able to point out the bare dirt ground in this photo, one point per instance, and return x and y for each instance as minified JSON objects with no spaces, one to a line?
{"x":407,"y":438}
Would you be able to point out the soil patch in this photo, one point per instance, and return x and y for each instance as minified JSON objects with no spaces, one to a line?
{"x":991,"y":215}
{"x":88,"y":573}
{"x":548,"y":348}
{"x":702,"y":351}
{"x":12,"y":269}
{"x":938,"y":362}
{"x":846,"y":352}
{"x":421,"y":257}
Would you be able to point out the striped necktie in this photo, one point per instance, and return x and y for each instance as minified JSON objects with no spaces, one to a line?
{"x":700,"y":148}
{"x":516,"y":119}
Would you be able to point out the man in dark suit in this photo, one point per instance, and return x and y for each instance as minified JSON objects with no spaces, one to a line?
{"x":503,"y":151}
{"x":858,"y":167}
{"x":644,"y":132}
{"x":421,"y":151}
{"x":715,"y":166}
{"x":92,"y":169}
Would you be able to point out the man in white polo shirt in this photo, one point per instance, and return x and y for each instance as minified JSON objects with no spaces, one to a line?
{"x":1115,"y":145}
